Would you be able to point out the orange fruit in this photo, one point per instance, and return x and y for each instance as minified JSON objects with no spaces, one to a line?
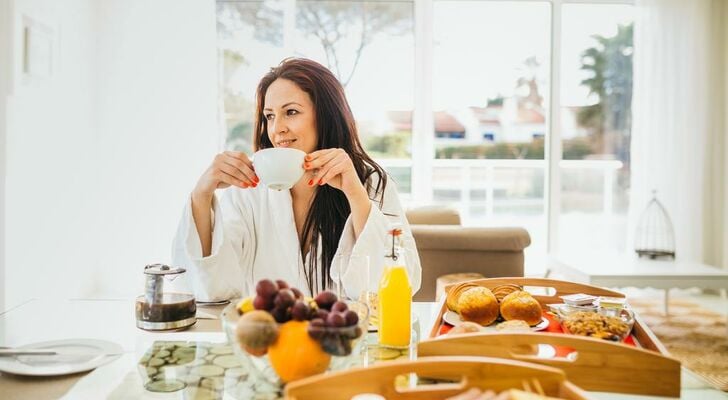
{"x":295,"y":355}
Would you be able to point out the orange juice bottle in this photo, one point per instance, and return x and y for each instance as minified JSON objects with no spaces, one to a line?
{"x":395,"y":297}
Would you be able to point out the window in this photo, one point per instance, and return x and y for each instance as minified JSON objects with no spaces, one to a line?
{"x":360,"y":42}
{"x":482,"y":79}
{"x":596,"y":96}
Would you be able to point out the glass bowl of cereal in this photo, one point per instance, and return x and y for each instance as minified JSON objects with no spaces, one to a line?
{"x":597,"y":325}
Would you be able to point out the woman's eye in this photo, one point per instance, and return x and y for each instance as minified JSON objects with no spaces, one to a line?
{"x":269,"y":117}
{"x":292,"y":112}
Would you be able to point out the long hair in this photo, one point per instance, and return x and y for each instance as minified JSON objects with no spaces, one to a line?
{"x":335,"y":128}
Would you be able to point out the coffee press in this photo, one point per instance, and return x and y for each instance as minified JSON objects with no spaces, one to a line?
{"x":164,"y":306}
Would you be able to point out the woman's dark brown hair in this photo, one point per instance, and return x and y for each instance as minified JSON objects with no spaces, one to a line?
{"x":336,"y":128}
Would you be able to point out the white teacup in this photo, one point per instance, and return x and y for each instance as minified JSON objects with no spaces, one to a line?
{"x":279,"y":168}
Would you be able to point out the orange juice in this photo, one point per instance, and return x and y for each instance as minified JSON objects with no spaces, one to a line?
{"x":395,"y":300}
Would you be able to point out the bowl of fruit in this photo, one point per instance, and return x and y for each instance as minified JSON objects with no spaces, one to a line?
{"x":281,"y":335}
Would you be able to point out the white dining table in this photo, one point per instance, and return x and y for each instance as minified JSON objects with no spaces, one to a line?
{"x":113,"y":320}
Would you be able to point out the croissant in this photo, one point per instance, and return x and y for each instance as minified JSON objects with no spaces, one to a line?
{"x":521,"y":305}
{"x":454,"y":294}
{"x":478,"y":304}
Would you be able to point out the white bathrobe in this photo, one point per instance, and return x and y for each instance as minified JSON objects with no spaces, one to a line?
{"x":254,"y":237}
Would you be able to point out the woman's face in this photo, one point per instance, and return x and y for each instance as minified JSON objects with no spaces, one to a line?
{"x":290,"y":116}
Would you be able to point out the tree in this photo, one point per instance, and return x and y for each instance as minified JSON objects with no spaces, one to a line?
{"x":609,"y":63}
{"x":333,"y":24}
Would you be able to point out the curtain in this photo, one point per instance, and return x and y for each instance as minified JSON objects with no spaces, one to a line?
{"x":679,"y":133}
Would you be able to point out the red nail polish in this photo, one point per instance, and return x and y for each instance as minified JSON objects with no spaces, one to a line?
{"x":320,"y":182}
{"x":310,"y":182}
{"x":306,"y":165}
{"x":256,"y":180}
{"x":255,"y":184}
{"x":245,"y":185}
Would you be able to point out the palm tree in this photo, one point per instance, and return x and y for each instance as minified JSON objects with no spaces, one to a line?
{"x":610,"y":65}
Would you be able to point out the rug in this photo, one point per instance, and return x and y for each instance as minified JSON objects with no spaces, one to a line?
{"x":695,"y":336}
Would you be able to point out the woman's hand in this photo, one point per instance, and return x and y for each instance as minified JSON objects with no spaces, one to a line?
{"x":230,"y":168}
{"x":333,"y":167}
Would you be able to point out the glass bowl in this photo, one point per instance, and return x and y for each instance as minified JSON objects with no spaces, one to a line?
{"x":598,"y":325}
{"x":282,"y":352}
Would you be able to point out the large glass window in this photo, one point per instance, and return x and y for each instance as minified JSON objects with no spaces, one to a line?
{"x":596,"y":97}
{"x":489,"y":67}
{"x":490,"y":96}
{"x":360,"y":42}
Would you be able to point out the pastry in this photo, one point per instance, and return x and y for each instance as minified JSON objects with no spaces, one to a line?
{"x":454,"y":294}
{"x":464,"y":327}
{"x":478,"y":304}
{"x":514,"y":325}
{"x":521,"y":305}
{"x":502,"y":291}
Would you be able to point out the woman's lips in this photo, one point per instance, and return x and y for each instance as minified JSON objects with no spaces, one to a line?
{"x":286,"y":143}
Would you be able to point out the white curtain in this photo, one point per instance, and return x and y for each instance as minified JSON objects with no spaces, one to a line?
{"x":679,"y":133}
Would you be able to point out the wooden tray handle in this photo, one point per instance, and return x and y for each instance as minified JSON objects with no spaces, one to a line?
{"x":562,"y":288}
{"x":596,"y":365}
{"x":466,"y":372}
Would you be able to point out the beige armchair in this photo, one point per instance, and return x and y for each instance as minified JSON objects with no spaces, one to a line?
{"x":445,"y":247}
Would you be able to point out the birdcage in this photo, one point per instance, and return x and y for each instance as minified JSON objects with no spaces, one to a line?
{"x":655,"y":236}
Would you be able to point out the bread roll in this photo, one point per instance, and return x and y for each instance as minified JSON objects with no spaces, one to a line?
{"x":521,"y":305}
{"x":478,"y":304}
{"x":502,"y":291}
{"x":454,"y":294}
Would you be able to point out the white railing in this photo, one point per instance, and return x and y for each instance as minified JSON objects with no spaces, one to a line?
{"x":465,"y":182}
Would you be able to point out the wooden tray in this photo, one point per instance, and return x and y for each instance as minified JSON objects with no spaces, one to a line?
{"x":595,"y":364}
{"x":480,"y":372}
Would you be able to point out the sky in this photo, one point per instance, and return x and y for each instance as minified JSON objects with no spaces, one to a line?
{"x":479,"y":52}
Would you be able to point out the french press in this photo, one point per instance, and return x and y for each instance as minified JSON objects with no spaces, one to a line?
{"x":164,"y":306}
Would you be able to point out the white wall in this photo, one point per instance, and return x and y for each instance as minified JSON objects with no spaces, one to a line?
{"x":157,"y":85}
{"x":100,"y":158}
{"x":50,"y":176}
{"x":5,"y":70}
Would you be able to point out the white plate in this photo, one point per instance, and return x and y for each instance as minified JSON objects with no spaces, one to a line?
{"x":75,"y":355}
{"x":453,"y":318}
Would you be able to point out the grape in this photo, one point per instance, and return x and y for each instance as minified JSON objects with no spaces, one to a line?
{"x":335,"y":319}
{"x":282,"y":284}
{"x":284,"y":298}
{"x":300,"y":311}
{"x":336,"y":345}
{"x":266,"y":288}
{"x":321,"y":313}
{"x":357,"y":332}
{"x":262,"y":303}
{"x":326,"y":299}
{"x":316,"y":329}
{"x":339,"y":306}
{"x":297,"y":293}
{"x":281,"y":315}
{"x":351,"y":318}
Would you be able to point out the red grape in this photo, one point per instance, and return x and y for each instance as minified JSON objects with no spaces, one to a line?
{"x":336,"y":320}
{"x":339,"y":306}
{"x":262,"y":303}
{"x":351,"y":318}
{"x":297,"y":293}
{"x":282,"y":284}
{"x":300,"y":311}
{"x":321,"y":313}
{"x":326,"y":299}
{"x":316,"y":328}
{"x":266,"y":288}
{"x":281,"y":315}
{"x":284,"y":298}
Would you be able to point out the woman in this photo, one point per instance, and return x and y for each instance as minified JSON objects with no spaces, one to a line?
{"x":335,"y":217}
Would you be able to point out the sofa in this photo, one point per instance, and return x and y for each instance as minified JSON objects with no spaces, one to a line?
{"x":446,"y":247}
